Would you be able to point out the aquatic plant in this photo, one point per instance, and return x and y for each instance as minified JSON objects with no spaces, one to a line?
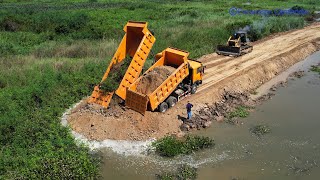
{"x":170,"y":146}
{"x":241,"y":111}
{"x":183,"y":172}
{"x":260,"y":130}
{"x":315,"y":69}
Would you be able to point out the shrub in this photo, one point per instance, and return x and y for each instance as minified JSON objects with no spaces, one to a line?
{"x":240,"y":111}
{"x":235,"y":26}
{"x":260,"y":130}
{"x":183,"y":172}
{"x":270,"y":25}
{"x":315,"y":69}
{"x":170,"y":146}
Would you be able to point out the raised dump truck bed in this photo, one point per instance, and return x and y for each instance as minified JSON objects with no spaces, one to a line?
{"x":136,"y":44}
{"x":171,"y":57}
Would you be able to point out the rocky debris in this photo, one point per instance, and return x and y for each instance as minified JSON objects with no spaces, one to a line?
{"x":297,"y":74}
{"x":264,"y":98}
{"x":274,"y":88}
{"x":203,"y":118}
{"x":220,"y":110}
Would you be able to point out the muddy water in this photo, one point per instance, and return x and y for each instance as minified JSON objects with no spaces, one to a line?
{"x":290,"y":151}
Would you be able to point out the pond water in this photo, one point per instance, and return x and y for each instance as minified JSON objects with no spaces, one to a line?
{"x":290,"y":151}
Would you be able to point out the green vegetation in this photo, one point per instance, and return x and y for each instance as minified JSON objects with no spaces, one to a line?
{"x":182,"y":173}
{"x":260,"y":130}
{"x":33,"y":97}
{"x":315,"y":69}
{"x":171,"y":146}
{"x":240,"y":111}
{"x":52,"y":53}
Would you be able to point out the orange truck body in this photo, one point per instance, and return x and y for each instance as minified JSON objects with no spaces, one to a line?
{"x":136,"y":43}
{"x":170,"y":57}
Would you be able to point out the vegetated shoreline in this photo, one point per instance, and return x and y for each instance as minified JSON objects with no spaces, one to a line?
{"x":231,"y":92}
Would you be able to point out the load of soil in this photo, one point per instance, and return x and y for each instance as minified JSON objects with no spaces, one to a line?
{"x":116,"y":75}
{"x":153,"y":79}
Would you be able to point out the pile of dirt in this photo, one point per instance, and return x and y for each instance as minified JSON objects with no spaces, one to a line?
{"x":153,"y":79}
{"x":297,"y":74}
{"x":119,"y":123}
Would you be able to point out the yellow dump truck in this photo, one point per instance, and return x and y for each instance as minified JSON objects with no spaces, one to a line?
{"x":136,"y":44}
{"x":184,"y":80}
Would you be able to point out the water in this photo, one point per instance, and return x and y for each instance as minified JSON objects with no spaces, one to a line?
{"x":290,"y":151}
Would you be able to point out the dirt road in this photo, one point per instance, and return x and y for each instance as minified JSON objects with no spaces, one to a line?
{"x":269,"y":57}
{"x":220,"y":67}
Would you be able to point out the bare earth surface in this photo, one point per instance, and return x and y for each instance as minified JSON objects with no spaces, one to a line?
{"x":270,"y":56}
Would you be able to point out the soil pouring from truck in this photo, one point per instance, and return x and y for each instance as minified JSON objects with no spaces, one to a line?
{"x":183,"y":80}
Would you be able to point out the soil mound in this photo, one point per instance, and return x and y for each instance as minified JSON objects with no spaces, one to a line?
{"x":153,"y":79}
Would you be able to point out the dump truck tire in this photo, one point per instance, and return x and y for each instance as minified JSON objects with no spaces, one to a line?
{"x":194,"y":89}
{"x":163,"y":107}
{"x":171,"y":101}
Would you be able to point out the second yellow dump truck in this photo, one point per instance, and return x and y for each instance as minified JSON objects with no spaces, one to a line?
{"x":183,"y":80}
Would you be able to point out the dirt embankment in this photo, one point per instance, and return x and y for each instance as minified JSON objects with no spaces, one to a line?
{"x":223,"y":74}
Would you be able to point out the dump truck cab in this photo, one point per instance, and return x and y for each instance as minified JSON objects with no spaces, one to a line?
{"x":196,"y":70}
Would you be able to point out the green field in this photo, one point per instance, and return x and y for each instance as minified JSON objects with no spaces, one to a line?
{"x":52,"y":53}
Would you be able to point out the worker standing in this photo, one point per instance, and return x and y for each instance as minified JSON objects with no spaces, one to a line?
{"x":189,"y":106}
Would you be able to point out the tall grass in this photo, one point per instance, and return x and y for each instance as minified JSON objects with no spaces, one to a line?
{"x":33,"y":143}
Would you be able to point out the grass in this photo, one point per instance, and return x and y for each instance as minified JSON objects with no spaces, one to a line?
{"x":52,"y":53}
{"x":240,"y":111}
{"x":33,"y":97}
{"x":183,"y":172}
{"x":260,"y":130}
{"x":171,"y":146}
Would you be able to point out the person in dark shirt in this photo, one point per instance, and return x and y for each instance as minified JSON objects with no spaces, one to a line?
{"x":189,"y":112}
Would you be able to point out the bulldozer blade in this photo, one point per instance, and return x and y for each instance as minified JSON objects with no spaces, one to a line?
{"x":228,"y":50}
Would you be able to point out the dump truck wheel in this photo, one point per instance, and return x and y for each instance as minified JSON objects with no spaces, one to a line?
{"x":193,"y":89}
{"x":163,"y":107}
{"x":171,"y":101}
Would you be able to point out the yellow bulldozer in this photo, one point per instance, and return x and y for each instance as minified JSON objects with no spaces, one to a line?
{"x":237,"y":45}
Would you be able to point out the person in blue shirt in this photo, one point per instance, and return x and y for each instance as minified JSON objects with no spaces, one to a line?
{"x":189,"y":106}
